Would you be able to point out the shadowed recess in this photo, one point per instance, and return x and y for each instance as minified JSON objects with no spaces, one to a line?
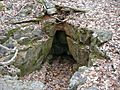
{"x":60,"y":46}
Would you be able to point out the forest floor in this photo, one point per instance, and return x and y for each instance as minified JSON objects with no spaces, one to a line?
{"x":56,"y":76}
{"x":104,"y":15}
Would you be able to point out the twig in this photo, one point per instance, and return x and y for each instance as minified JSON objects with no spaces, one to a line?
{"x":4,"y":47}
{"x":22,"y":8}
{"x":11,"y":60}
{"x":8,"y":49}
{"x":28,"y":21}
{"x":64,"y":20}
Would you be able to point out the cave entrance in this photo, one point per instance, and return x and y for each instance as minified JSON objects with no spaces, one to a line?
{"x":60,"y":47}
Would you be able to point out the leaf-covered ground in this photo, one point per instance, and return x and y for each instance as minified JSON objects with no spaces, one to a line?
{"x":101,"y":15}
{"x":56,"y":76}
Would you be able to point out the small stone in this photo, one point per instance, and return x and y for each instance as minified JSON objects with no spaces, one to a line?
{"x":82,"y":69}
{"x":37,"y":33}
{"x":2,"y":38}
{"x":76,"y":80}
{"x":51,"y":11}
{"x":104,"y":36}
{"x":23,"y":40}
{"x":92,"y":88}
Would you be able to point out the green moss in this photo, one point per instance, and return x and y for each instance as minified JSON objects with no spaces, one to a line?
{"x":22,"y":70}
{"x":46,"y":47}
{"x":2,"y":7}
{"x":49,"y":28}
{"x":25,"y":69}
{"x":12,"y":31}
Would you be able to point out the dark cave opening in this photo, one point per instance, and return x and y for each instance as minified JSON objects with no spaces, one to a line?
{"x":60,"y":47}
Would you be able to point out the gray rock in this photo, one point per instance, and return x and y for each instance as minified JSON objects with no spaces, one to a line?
{"x":51,"y":11}
{"x":2,"y":51}
{"x":37,"y":33}
{"x":9,"y":83}
{"x":36,"y":85}
{"x":24,"y":40}
{"x":3,"y":38}
{"x":17,"y":35}
{"x":7,"y":77}
{"x":2,"y":7}
{"x":77,"y":79}
{"x":26,"y":10}
{"x":10,"y":43}
{"x":104,"y":36}
{"x":49,"y":7}
{"x":82,"y":69}
{"x":13,"y":71}
{"x":92,"y":88}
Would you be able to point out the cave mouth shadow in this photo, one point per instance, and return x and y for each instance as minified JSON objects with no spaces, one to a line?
{"x":60,"y":48}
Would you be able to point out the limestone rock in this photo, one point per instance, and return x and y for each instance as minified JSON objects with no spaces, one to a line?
{"x":81,"y":42}
{"x":62,"y":38}
{"x":77,"y":79}
{"x":35,"y":56}
{"x":37,"y":33}
{"x":92,"y":88}
{"x":11,"y":70}
{"x":104,"y":36}
{"x":49,"y":7}
{"x":24,"y":40}
{"x":80,"y":54}
{"x":10,"y":83}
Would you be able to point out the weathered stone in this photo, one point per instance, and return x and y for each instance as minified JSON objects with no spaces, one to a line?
{"x":37,"y":33}
{"x":2,"y":51}
{"x":49,"y":27}
{"x":3,"y":39}
{"x":51,"y":11}
{"x":103,"y":36}
{"x":17,"y":35}
{"x":92,"y":88}
{"x":24,"y":40}
{"x":64,"y":38}
{"x":77,"y":50}
{"x":85,"y":36}
{"x":80,"y":54}
{"x":10,"y":83}
{"x":11,"y":70}
{"x":49,"y":7}
{"x":70,"y":30}
{"x":12,"y":31}
{"x":26,"y":10}
{"x":35,"y":56}
{"x":77,"y":79}
{"x":2,"y":7}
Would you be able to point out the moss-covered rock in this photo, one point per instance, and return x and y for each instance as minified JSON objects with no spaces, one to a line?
{"x":63,"y":38}
{"x":34,"y":57}
{"x":82,"y":43}
{"x":2,"y":7}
